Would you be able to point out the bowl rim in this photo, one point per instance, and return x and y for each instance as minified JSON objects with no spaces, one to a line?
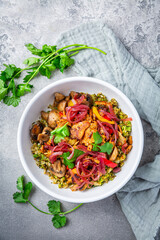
{"x":22,"y":157}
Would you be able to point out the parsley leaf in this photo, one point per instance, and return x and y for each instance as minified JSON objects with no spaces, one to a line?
{"x":59,"y":221}
{"x":95,"y":148}
{"x":106,"y":147}
{"x":14,"y":101}
{"x":77,"y":153}
{"x":65,"y":61}
{"x":97,"y":137}
{"x":46,"y":49}
{"x":33,"y":49}
{"x":60,"y":133}
{"x":18,"y":197}
{"x":32,"y":60}
{"x":20,"y":183}
{"x":29,"y":75}
{"x":70,"y":162}
{"x":44,"y":71}
{"x":10,"y":71}
{"x":54,"y":206}
{"x":27,"y":190}
{"x":3,"y":92}
{"x":23,"y":88}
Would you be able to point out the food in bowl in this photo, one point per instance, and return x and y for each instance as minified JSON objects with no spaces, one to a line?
{"x":82,"y":141}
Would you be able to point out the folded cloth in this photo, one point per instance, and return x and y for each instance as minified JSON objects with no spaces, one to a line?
{"x":140,"y":198}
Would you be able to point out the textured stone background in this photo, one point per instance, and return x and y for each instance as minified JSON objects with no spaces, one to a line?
{"x":137,"y":24}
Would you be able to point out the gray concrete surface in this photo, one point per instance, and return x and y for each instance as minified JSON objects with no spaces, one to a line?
{"x":137,"y":24}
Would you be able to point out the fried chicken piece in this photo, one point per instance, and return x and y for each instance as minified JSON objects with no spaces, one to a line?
{"x":78,"y":129}
{"x":88,"y":137}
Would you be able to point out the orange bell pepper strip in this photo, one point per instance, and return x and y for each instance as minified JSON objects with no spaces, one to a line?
{"x":102,"y":119}
{"x":101,"y":103}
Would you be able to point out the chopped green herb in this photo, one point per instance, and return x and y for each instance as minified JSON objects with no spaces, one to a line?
{"x":70,"y":162}
{"x":106,"y":147}
{"x":97,"y":137}
{"x":60,"y":133}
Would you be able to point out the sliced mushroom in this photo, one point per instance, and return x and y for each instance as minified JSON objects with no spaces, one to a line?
{"x":42,"y":137}
{"x":36,"y":129}
{"x":47,"y":130}
{"x":58,"y":169}
{"x":61,"y":106}
{"x":44,"y":115}
{"x":59,"y":97}
{"x":53,"y":118}
{"x":121,"y":139}
{"x":88,"y":101}
{"x":114,"y":154}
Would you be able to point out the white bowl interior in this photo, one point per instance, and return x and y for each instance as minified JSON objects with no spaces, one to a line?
{"x":32,"y":113}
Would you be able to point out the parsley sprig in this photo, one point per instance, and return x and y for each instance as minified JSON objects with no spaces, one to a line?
{"x":105,"y":148}
{"x":54,"y":207}
{"x":49,"y":59}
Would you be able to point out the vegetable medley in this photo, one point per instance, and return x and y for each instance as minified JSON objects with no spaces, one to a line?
{"x":82,"y":141}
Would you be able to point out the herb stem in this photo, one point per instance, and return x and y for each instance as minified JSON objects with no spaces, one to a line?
{"x":37,"y":70}
{"x":72,"y":45}
{"x":63,"y":213}
{"x":73,"y":54}
{"x":38,"y":208}
{"x":86,"y":47}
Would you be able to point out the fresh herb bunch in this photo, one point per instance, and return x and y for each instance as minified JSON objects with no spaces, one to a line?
{"x":49,"y":59}
{"x":54,"y":207}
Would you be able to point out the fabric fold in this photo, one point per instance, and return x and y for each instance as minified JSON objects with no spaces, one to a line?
{"x":140,"y":197}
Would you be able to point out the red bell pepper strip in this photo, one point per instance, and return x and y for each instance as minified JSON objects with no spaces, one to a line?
{"x":109,"y":163}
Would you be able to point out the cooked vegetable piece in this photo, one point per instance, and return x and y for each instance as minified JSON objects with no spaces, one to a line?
{"x":102,"y":119}
{"x":58,"y":169}
{"x":47,"y":130}
{"x":53,"y":118}
{"x":44,"y":115}
{"x":73,"y":94}
{"x":62,"y":105}
{"x":130,"y":140}
{"x":121,"y":139}
{"x":114,"y":154}
{"x":59,"y":97}
{"x":88,"y":100}
{"x":42,"y":138}
{"x":36,"y":129}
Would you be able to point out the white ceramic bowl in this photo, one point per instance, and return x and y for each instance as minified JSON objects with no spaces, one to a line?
{"x":32,"y":113}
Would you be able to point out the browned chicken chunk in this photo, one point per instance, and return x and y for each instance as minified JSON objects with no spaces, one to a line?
{"x":62,"y":105}
{"x":53,"y":118}
{"x":78,"y":129}
{"x":88,"y":137}
{"x":59,"y":97}
{"x":44,"y":115}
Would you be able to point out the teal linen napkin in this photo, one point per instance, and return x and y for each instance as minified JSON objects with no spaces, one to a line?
{"x":140,"y":198}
